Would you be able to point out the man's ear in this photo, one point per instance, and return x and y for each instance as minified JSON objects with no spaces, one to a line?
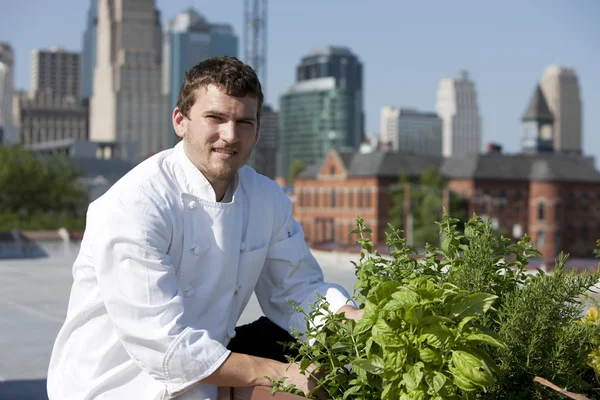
{"x":179,"y":122}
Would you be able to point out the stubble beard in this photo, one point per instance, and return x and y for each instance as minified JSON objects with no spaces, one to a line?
{"x":215,"y":169}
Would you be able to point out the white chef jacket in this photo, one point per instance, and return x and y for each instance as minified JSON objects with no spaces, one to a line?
{"x":163,"y":274}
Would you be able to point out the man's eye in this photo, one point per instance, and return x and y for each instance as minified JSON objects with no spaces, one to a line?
{"x":213,"y":117}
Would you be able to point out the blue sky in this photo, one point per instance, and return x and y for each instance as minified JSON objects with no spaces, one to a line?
{"x":406,"y":47}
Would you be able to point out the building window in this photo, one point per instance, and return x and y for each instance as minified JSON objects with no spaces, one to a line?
{"x":300,"y":199}
{"x":540,"y":239}
{"x":585,"y":233}
{"x":585,"y":203}
{"x":333,"y":198}
{"x":332,"y":170}
{"x":316,"y":198}
{"x":541,"y":211}
{"x":351,"y":198}
{"x":360,"y":198}
{"x":557,"y":212}
{"x":368,"y":198}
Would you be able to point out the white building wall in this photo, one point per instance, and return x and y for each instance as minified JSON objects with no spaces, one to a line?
{"x":458,"y":108}
{"x":128,"y":106}
{"x":561,"y":90}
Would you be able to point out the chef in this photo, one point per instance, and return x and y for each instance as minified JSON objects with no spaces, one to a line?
{"x":172,"y":253}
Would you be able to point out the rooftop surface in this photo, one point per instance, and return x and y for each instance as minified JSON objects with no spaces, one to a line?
{"x":33,"y":304}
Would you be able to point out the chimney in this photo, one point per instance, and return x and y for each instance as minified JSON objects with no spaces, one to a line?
{"x":494,"y":148}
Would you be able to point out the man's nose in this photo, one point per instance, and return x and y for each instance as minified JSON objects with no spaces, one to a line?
{"x":229,"y":132}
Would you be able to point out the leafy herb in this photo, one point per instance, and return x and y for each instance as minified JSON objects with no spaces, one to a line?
{"x":464,"y":321}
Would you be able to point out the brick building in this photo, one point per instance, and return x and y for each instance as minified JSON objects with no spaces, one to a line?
{"x":553,"y":198}
{"x":331,"y":193}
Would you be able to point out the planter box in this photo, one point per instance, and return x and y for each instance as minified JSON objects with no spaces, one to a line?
{"x":256,"y":393}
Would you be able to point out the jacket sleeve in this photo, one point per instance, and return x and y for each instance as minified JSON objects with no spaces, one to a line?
{"x":138,"y":284}
{"x":292,"y":273}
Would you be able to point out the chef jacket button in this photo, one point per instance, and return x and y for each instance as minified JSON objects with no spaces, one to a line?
{"x":197,"y":250}
{"x":231,"y":333}
{"x":189,"y":292}
{"x":192,"y":204}
{"x":244,"y":246}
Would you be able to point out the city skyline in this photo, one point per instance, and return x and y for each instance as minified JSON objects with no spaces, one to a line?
{"x":406,"y":50}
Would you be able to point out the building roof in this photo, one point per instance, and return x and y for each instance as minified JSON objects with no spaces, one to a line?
{"x":538,"y":109}
{"x":521,"y":167}
{"x":330,"y":51}
{"x":549,"y":167}
{"x":383,"y":165}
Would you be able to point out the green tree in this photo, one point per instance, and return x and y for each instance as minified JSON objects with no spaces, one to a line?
{"x":296,"y":167}
{"x":39,"y":192}
{"x":426,"y":206}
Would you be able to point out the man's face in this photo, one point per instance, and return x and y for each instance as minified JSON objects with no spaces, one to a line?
{"x":220,"y":133}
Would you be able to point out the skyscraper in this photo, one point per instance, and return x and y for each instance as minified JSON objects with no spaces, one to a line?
{"x":323,"y":110}
{"x":561,"y":90}
{"x":6,"y":83}
{"x":55,"y":71}
{"x":458,"y":109}
{"x":7,"y":130}
{"x":412,"y":131}
{"x":127,"y":106}
{"x":88,"y":55}
{"x":264,"y":156}
{"x":188,"y":39}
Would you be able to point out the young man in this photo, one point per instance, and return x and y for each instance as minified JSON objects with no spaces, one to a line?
{"x":172,"y":253}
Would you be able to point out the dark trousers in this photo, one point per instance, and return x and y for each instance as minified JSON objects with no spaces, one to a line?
{"x":262,"y":338}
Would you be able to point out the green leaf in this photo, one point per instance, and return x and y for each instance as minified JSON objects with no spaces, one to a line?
{"x":428,"y":355}
{"x":369,"y":366}
{"x":384,"y":335}
{"x":414,"y":316}
{"x":351,"y":391}
{"x":406,"y":297}
{"x":435,"y":318}
{"x":486,"y":338}
{"x":438,"y":381}
{"x":413,"y":377}
{"x":464,"y":322}
{"x":472,"y":305}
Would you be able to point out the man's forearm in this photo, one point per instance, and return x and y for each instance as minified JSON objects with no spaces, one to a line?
{"x":241,"y":370}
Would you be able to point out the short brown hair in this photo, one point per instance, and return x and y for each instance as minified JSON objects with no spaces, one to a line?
{"x":229,"y":74}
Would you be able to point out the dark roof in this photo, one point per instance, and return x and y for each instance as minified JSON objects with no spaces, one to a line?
{"x":378,"y":164}
{"x":346,"y":157}
{"x":538,"y":110}
{"x":518,"y":167}
{"x":521,"y":167}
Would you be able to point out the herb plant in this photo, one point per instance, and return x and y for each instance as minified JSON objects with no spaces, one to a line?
{"x":464,"y":321}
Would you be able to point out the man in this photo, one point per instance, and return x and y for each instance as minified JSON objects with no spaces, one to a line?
{"x":172,"y":253}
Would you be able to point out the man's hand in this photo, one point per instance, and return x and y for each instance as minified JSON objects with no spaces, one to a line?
{"x":351,"y":313}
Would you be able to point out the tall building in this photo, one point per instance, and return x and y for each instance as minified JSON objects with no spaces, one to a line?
{"x":127,"y":106}
{"x":264,"y":156}
{"x":188,"y":39}
{"x":7,"y":129}
{"x":537,"y":135}
{"x":561,"y":89}
{"x":88,"y":55}
{"x":458,"y":109}
{"x":411,"y":131}
{"x":56,"y":71}
{"x":324,"y":110}
{"x":45,"y":118}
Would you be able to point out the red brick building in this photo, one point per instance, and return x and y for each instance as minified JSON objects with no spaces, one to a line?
{"x":555,"y":199}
